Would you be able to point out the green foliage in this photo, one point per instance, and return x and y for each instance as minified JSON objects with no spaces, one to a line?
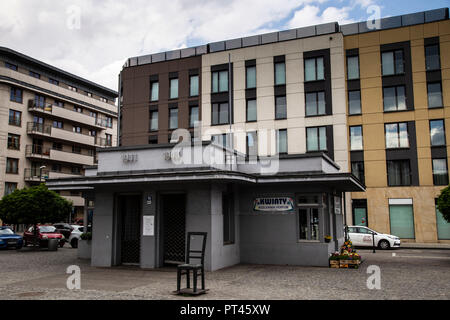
{"x":34,"y":205}
{"x":86,"y":236}
{"x":443,"y":203}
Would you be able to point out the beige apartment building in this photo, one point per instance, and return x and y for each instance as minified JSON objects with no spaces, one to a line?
{"x":51,"y":123}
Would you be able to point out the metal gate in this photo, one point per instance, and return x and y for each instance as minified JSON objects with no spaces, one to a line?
{"x":174,"y":219}
{"x":130,"y":213}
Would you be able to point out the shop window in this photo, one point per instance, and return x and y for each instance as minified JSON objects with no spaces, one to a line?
{"x":443,"y":227}
{"x":401,"y":218}
{"x":308,"y":223}
{"x":359,"y":207}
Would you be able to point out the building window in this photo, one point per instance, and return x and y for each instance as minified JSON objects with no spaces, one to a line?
{"x":92,"y":133}
{"x":53,"y":81}
{"x":437,"y":133}
{"x":108,"y":140}
{"x":282,"y":142}
{"x":394,"y":98}
{"x":103,"y":100}
{"x":443,"y":226}
{"x":76,"y":149}
{"x":434,"y":95}
{"x":58,"y":103}
{"x":252,"y":144}
{"x":316,"y":139}
{"x":13,"y":141}
{"x":251,"y":112}
{"x":308,"y":219}
{"x":228,"y":218}
{"x":74,"y":89}
{"x":359,"y":207}
{"x":77,"y":109}
{"x":358,"y":170}
{"x":16,"y":95}
{"x":154,"y":120}
{"x":35,"y":75}
{"x":250,"y":76}
{"x":11,"y":66}
{"x":280,"y":73}
{"x":356,"y":138}
{"x":173,"y":88}
{"x":396,"y":135}
{"x":223,"y":140}
{"x":193,"y":116}
{"x":173,"y":118}
{"x":219,"y":81}
{"x":93,"y":114}
{"x":39,"y":101}
{"x":153,"y":140}
{"x":57,"y":146}
{"x":280,"y":108}
{"x":57,"y":124}
{"x":109,"y":122}
{"x":220,"y":113}
{"x":12,"y":165}
{"x":399,"y":173}
{"x":154,"y":91}
{"x":315,"y":103}
{"x":432,"y":59}
{"x":354,"y":102}
{"x":56,"y":167}
{"x":10,"y":187}
{"x":314,"y":69}
{"x":401,"y":218}
{"x":352,"y":67}
{"x":194,"y":86}
{"x":76,"y":170}
{"x":440,"y":172}
{"x":15,"y":118}
{"x":392,"y":62}
{"x":76,"y":129}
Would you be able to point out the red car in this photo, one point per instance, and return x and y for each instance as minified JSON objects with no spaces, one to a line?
{"x":44,"y":234}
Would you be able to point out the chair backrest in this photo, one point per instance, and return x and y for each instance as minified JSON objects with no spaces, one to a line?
{"x":196,"y":253}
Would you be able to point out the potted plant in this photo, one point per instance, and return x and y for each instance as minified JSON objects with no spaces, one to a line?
{"x":328,"y":238}
{"x":84,"y":246}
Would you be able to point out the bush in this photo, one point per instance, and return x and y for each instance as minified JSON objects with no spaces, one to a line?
{"x":443,"y":203}
{"x":86,"y":236}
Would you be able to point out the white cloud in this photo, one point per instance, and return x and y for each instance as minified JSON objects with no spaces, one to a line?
{"x":112,"y":31}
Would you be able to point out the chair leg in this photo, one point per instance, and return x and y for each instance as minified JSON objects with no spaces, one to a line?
{"x":203,"y":279}
{"x":194,"y":278}
{"x":178,"y":280}
{"x":188,"y":279}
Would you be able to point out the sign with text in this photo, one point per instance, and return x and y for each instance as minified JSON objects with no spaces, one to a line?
{"x":149,"y":226}
{"x":273,"y":204}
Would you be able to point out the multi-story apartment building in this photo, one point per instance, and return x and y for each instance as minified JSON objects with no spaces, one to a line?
{"x":51,"y":123}
{"x":372,"y":96}
{"x":398,"y":89}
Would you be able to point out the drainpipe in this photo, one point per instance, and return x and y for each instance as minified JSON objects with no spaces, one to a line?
{"x":230,"y":108}
{"x":119,"y":110}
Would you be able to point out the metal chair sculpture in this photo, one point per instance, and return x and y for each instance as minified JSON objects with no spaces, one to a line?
{"x":197,"y":268}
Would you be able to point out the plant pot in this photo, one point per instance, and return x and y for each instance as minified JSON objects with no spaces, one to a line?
{"x":84,"y":249}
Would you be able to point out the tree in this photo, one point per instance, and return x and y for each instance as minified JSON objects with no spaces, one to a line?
{"x":34,"y":205}
{"x":443,"y":203}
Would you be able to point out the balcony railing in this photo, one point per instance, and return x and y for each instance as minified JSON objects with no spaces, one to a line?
{"x":33,"y":127}
{"x":37,"y":150}
{"x":35,"y":174}
{"x":102,"y":142}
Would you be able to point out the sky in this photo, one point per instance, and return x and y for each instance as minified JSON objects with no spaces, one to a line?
{"x":94,"y":38}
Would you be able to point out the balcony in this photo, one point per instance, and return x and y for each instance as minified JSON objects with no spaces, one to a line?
{"x":70,"y":157}
{"x":64,"y":113}
{"x":37,"y":151}
{"x":35,"y":175}
{"x":59,"y":175}
{"x":102,"y":142}
{"x":39,"y":129}
{"x":72,"y":136}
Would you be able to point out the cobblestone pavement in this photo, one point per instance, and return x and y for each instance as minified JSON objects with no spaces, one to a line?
{"x":410,"y":274}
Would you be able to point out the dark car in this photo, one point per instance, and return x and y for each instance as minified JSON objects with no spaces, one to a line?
{"x":9,"y":239}
{"x":65,"y":229}
{"x":44,"y":234}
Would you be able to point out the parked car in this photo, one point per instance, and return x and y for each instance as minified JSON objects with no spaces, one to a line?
{"x":361,"y":236}
{"x":44,"y":234}
{"x":75,"y":235}
{"x":65,"y":229}
{"x":9,"y":239}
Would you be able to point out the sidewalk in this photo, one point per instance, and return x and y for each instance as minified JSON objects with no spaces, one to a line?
{"x":415,"y":245}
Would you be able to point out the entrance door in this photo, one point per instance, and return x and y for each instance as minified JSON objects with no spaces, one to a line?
{"x":130,"y":218}
{"x":174,"y":228}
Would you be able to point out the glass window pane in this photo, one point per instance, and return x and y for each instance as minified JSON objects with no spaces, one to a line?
{"x":193,"y":117}
{"x":440,"y":173}
{"x":356,"y":142}
{"x":443,"y":227}
{"x":352,"y":68}
{"x":312,"y":143}
{"x":194,"y":86}
{"x":432,"y":57}
{"x":303,"y":224}
{"x":223,"y":115}
{"x":155,"y":91}
{"x":320,"y":69}
{"x":215,"y":82}
{"x":403,"y":135}
{"x":173,"y":118}
{"x":251,"y":77}
{"x":437,"y":132}
{"x":389,"y":100}
{"x":282,"y":141}
{"x":280,"y":108}
{"x":154,"y":120}
{"x":401,"y":98}
{"x":311,"y":104}
{"x":310,"y":69}
{"x":252,"y":144}
{"x":402,"y":221}
{"x":251,"y":110}
{"x":280,"y":73}
{"x":354,"y":102}
{"x":360,"y":216}
{"x":321,"y":102}
{"x":323,"y":138}
{"x":215,"y":113}
{"x":391,"y":135}
{"x":399,"y":62}
{"x":173,"y":88}
{"x":314,"y":224}
{"x":358,"y":170}
{"x":223,"y":81}
{"x":434,"y":95}
{"x":388,"y":63}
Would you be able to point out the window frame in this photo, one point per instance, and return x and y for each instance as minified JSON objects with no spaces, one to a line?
{"x":170,"y":118}
{"x":278,"y":141}
{"x":394,"y":62}
{"x":360,"y":103}
{"x":192,"y":123}
{"x":13,"y":138}
{"x":318,"y":139}
{"x":219,"y":89}
{"x":246,"y":110}
{"x":316,"y":94}
{"x":14,"y":118}
{"x":246,"y":77}
{"x":362,"y":137}
{"x":315,"y":68}
{"x":441,"y":95}
{"x":357,"y":58}
{"x":190,"y":85}
{"x":396,"y":98}
{"x":275,"y":73}
{"x":219,"y":104}
{"x":152,"y":112}
{"x":398,"y":136}
{"x":277,"y":106}
{"x":13,"y":95}
{"x":443,"y":132}
{"x":438,"y":54}
{"x":363,"y":179}
{"x":10,"y":160}
{"x":435,"y":175}
{"x":402,"y":183}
